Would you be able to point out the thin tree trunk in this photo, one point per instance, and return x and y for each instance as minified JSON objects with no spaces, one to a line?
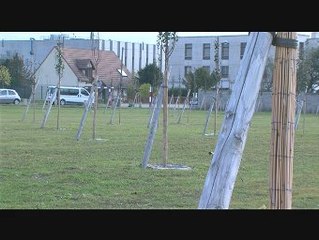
{"x":165,"y":110}
{"x":59,"y":103}
{"x":96,"y":92}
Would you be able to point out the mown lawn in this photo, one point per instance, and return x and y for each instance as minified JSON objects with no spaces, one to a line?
{"x":46,"y":168}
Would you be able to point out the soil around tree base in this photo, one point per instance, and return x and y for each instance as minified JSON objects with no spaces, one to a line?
{"x":168,"y":166}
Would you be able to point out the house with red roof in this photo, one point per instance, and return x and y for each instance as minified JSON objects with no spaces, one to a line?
{"x":81,"y":66}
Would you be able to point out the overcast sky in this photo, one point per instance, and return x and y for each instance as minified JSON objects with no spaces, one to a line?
{"x":146,"y":37}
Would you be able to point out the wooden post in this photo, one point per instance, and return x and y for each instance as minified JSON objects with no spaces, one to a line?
{"x":87,"y":106}
{"x":153,"y":128}
{"x":153,"y":107}
{"x":209,"y":112}
{"x":283,"y":126}
{"x":119,"y":94}
{"x":221,"y":176}
{"x":46,"y":115}
{"x":184,"y":106}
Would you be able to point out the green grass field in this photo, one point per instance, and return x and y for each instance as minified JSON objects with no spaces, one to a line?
{"x":46,"y":168}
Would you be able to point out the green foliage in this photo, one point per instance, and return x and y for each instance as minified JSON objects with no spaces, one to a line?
{"x":59,"y":65}
{"x":308,"y":71}
{"x":182,"y":92}
{"x":216,"y":60}
{"x":200,"y":79}
{"x":189,"y":82}
{"x":150,"y":74}
{"x":144,"y":91}
{"x":21,"y":76}
{"x":204,"y":80}
{"x":166,"y":42}
{"x":215,"y":78}
{"x":5,"y":78}
{"x":18,"y":72}
{"x":165,"y":39}
{"x":266,"y":83}
{"x":130,"y":91}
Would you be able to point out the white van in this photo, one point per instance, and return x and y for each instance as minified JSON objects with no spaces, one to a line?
{"x":69,"y":95}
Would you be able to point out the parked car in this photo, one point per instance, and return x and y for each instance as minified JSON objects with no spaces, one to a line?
{"x":9,"y":96}
{"x":69,"y":95}
{"x":193,"y":102}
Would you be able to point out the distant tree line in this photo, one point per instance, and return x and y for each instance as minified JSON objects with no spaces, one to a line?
{"x":307,"y":72}
{"x":14,"y":74}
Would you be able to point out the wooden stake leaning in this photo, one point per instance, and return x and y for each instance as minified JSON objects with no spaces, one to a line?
{"x":184,"y":106}
{"x":87,"y":106}
{"x":46,"y":115}
{"x":153,"y":128}
{"x":209,"y":113}
{"x":221,"y":176}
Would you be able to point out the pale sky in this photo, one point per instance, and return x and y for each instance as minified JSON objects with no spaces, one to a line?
{"x":146,"y":37}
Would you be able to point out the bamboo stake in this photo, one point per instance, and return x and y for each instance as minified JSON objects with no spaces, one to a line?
{"x":283,"y":114}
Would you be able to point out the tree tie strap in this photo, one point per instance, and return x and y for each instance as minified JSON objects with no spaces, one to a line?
{"x":283,"y":42}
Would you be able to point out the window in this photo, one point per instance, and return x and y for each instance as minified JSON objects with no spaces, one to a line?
{"x":11,"y":92}
{"x":242,"y":49}
{"x":188,"y":69}
{"x":119,"y":49}
{"x":67,"y":91}
{"x":88,"y":72}
{"x":225,"y":50}
{"x":225,"y":71}
{"x":206,"y":51}
{"x":84,"y":92}
{"x":188,"y":51}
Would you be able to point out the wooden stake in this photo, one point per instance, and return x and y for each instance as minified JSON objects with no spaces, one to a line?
{"x":283,"y":117}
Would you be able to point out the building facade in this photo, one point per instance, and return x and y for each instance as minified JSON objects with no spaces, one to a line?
{"x":194,"y":52}
{"x":135,"y":55}
{"x":189,"y":53}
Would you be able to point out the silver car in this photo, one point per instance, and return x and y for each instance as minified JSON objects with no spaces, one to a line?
{"x":9,"y":96}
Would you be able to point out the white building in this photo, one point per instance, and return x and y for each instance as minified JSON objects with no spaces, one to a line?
{"x":135,"y":55}
{"x":194,"y":52}
{"x":191,"y":53}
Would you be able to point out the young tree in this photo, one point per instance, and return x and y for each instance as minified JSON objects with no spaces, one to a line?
{"x":144,"y":91}
{"x":308,"y":71}
{"x":217,"y":77}
{"x":5,"y":77}
{"x":189,"y":82}
{"x":59,"y":68}
{"x":266,"y":84}
{"x":19,"y":75}
{"x":150,"y":74}
{"x":166,"y":42}
{"x":96,"y":56}
{"x":204,"y":80}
